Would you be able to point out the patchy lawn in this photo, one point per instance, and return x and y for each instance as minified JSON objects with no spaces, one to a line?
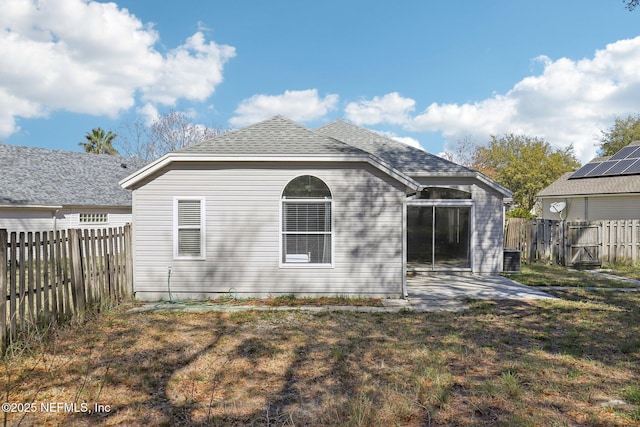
{"x":293,"y":301}
{"x":628,"y":271}
{"x":563,"y":362}
{"x":555,"y":275}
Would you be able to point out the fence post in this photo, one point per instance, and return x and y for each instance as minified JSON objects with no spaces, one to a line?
{"x":128,"y":250}
{"x":77,"y":275}
{"x":634,"y":242}
{"x":4,"y":259}
{"x":531,"y":238}
{"x":563,"y":243}
{"x":111,"y":271}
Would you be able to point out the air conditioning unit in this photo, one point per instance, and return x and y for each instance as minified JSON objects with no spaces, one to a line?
{"x":511,"y":261}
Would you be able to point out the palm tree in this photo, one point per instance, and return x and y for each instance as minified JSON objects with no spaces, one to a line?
{"x":99,"y":142}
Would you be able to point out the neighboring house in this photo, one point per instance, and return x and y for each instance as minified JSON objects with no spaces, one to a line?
{"x":277,"y":208}
{"x":604,"y":188}
{"x":44,"y":190}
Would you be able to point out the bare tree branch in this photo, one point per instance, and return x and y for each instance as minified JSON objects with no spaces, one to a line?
{"x":171,"y":131}
{"x":631,"y":4}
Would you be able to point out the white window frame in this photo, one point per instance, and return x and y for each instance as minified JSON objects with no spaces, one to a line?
{"x":282,"y":233}
{"x":177,"y":228}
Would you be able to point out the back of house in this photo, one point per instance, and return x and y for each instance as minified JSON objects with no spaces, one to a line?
{"x":276,"y":208}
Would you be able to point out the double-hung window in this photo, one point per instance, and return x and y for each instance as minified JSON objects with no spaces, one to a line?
{"x":307,"y":230}
{"x":188,"y":228}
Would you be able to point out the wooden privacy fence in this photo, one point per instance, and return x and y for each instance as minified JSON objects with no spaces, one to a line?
{"x":575,"y":243}
{"x":55,"y":276}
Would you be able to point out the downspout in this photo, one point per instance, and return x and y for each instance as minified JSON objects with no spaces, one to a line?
{"x":55,"y":221}
{"x":405,"y":294}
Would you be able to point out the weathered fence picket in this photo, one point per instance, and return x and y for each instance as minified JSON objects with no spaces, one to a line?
{"x":54,"y":276}
{"x":574,"y":243}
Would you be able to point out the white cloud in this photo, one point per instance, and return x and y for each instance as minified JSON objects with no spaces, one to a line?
{"x":569,"y":102}
{"x":404,"y":139}
{"x":90,"y":57}
{"x":298,"y":105}
{"x":390,"y":108}
{"x":408,"y":140}
{"x":150,"y":113}
{"x":191,"y":71}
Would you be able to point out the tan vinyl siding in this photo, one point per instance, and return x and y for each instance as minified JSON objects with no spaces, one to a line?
{"x":243,"y":232}
{"x":594,"y":208}
{"x":574,"y":209}
{"x":614,"y":207}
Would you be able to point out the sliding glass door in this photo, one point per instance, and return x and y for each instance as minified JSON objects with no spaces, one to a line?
{"x":439,"y":237}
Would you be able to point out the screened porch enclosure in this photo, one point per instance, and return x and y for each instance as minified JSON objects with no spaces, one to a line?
{"x":439,"y":237}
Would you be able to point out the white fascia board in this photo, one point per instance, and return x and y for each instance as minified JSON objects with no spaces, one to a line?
{"x":147,"y":170}
{"x":164,"y":161}
{"x":572,"y":196}
{"x":96,"y":207}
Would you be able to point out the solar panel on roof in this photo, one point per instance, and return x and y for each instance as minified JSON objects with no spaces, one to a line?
{"x":633,"y":169}
{"x":580,"y":173}
{"x":623,"y":153}
{"x":601,"y":169}
{"x":619,"y":167}
{"x":635,"y":154}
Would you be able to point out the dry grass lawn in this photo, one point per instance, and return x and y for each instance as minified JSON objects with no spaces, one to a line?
{"x":569,"y":362}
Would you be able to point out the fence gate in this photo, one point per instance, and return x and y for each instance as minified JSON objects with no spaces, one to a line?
{"x":584,"y":244}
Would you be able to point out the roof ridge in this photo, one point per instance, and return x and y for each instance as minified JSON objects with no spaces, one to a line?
{"x":245,"y":129}
{"x":390,"y":142}
{"x":360,"y":128}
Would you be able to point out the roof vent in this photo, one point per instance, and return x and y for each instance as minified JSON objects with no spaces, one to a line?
{"x":123,"y":165}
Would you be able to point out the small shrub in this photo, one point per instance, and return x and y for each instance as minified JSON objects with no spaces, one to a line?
{"x":511,"y":383}
{"x":361,"y":410}
{"x":520,"y":213}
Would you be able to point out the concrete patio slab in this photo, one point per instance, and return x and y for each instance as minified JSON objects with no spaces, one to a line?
{"x":458,"y":287}
{"x":428,"y":293}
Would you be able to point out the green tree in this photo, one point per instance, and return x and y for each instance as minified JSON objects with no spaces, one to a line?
{"x":99,"y":142}
{"x":622,"y":133}
{"x":523,"y":164}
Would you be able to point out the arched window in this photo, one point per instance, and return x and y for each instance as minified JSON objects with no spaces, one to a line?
{"x":306,"y":222}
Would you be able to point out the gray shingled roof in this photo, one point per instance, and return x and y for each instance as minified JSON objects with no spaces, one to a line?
{"x":275,"y":136}
{"x":407,"y":159}
{"x":564,"y":186}
{"x":280,"y":137}
{"x":39,"y":176}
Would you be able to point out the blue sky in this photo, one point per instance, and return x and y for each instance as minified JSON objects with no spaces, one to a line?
{"x":425,"y":72}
